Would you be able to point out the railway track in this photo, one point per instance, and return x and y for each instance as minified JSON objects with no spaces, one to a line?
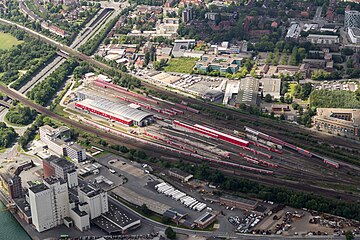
{"x":126,"y":142}
{"x":279,"y":127}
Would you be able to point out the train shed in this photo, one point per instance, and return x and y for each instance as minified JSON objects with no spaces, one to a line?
{"x":116,"y":111}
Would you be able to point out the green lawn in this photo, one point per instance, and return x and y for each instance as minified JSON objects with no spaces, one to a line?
{"x":181,"y":65}
{"x":292,"y":88}
{"x":7,"y":41}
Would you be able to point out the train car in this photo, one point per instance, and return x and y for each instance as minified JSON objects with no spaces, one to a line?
{"x":225,"y":137}
{"x":195,"y":129}
{"x":192,"y":110}
{"x":331,"y":163}
{"x":177,"y":111}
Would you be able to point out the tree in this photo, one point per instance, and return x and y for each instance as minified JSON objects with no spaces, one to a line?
{"x":268,"y":98}
{"x":349,"y":235}
{"x":282,"y":117}
{"x":170,"y":233}
{"x":145,"y":210}
{"x":146,"y":58}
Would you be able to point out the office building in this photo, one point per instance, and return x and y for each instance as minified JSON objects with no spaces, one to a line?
{"x":49,"y":203}
{"x":318,"y":39}
{"x":352,"y":19}
{"x":58,"y":141}
{"x":75,"y":152}
{"x":354,"y":34}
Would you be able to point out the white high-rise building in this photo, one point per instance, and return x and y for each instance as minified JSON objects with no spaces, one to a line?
{"x":49,"y":203}
{"x":95,"y":199}
{"x":352,"y":18}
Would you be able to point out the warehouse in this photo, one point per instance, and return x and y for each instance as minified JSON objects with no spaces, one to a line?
{"x":238,"y":202}
{"x":116,"y":112}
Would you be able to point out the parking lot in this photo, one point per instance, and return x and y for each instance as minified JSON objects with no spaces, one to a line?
{"x":139,"y":188}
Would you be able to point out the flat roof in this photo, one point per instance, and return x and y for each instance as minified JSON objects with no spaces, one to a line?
{"x":120,"y":216}
{"x":106,"y":225}
{"x":23,"y":205}
{"x":205,"y":217}
{"x":180,"y":172}
{"x":78,"y":212}
{"x":52,"y":180}
{"x":248,"y":91}
{"x":38,"y":188}
{"x":271,"y":85}
{"x":239,"y":199}
{"x":61,"y":162}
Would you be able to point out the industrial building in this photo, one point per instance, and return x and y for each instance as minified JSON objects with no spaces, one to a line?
{"x":238,"y":202}
{"x":117,"y":220}
{"x":10,"y":180}
{"x":11,"y":184}
{"x":49,"y":203}
{"x":60,"y":168}
{"x":271,"y":86}
{"x":183,"y":176}
{"x":339,"y":121}
{"x":116,"y":112}
{"x":59,"y":142}
{"x":248,"y":92}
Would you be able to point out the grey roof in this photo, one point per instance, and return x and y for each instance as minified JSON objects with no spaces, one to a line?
{"x":61,"y":162}
{"x":118,"y":109}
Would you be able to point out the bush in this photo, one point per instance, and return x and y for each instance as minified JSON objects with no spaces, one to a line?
{"x":170,"y":233}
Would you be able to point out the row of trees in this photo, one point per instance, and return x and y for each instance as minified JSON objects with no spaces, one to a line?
{"x":45,"y":90}
{"x":35,"y":69}
{"x":273,"y":193}
{"x":26,"y":56}
{"x":92,"y":45}
{"x":30,"y":132}
{"x":7,"y":135}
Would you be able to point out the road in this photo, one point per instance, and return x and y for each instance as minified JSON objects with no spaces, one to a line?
{"x":45,"y":72}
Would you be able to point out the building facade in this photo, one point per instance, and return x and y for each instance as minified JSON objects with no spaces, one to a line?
{"x":352,"y":19}
{"x":49,"y":203}
{"x":94,"y":201}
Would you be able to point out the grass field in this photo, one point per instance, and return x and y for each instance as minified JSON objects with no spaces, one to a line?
{"x":7,"y":41}
{"x":181,"y":65}
{"x":292,"y":88}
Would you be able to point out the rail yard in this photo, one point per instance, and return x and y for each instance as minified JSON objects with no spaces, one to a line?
{"x":184,"y":131}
